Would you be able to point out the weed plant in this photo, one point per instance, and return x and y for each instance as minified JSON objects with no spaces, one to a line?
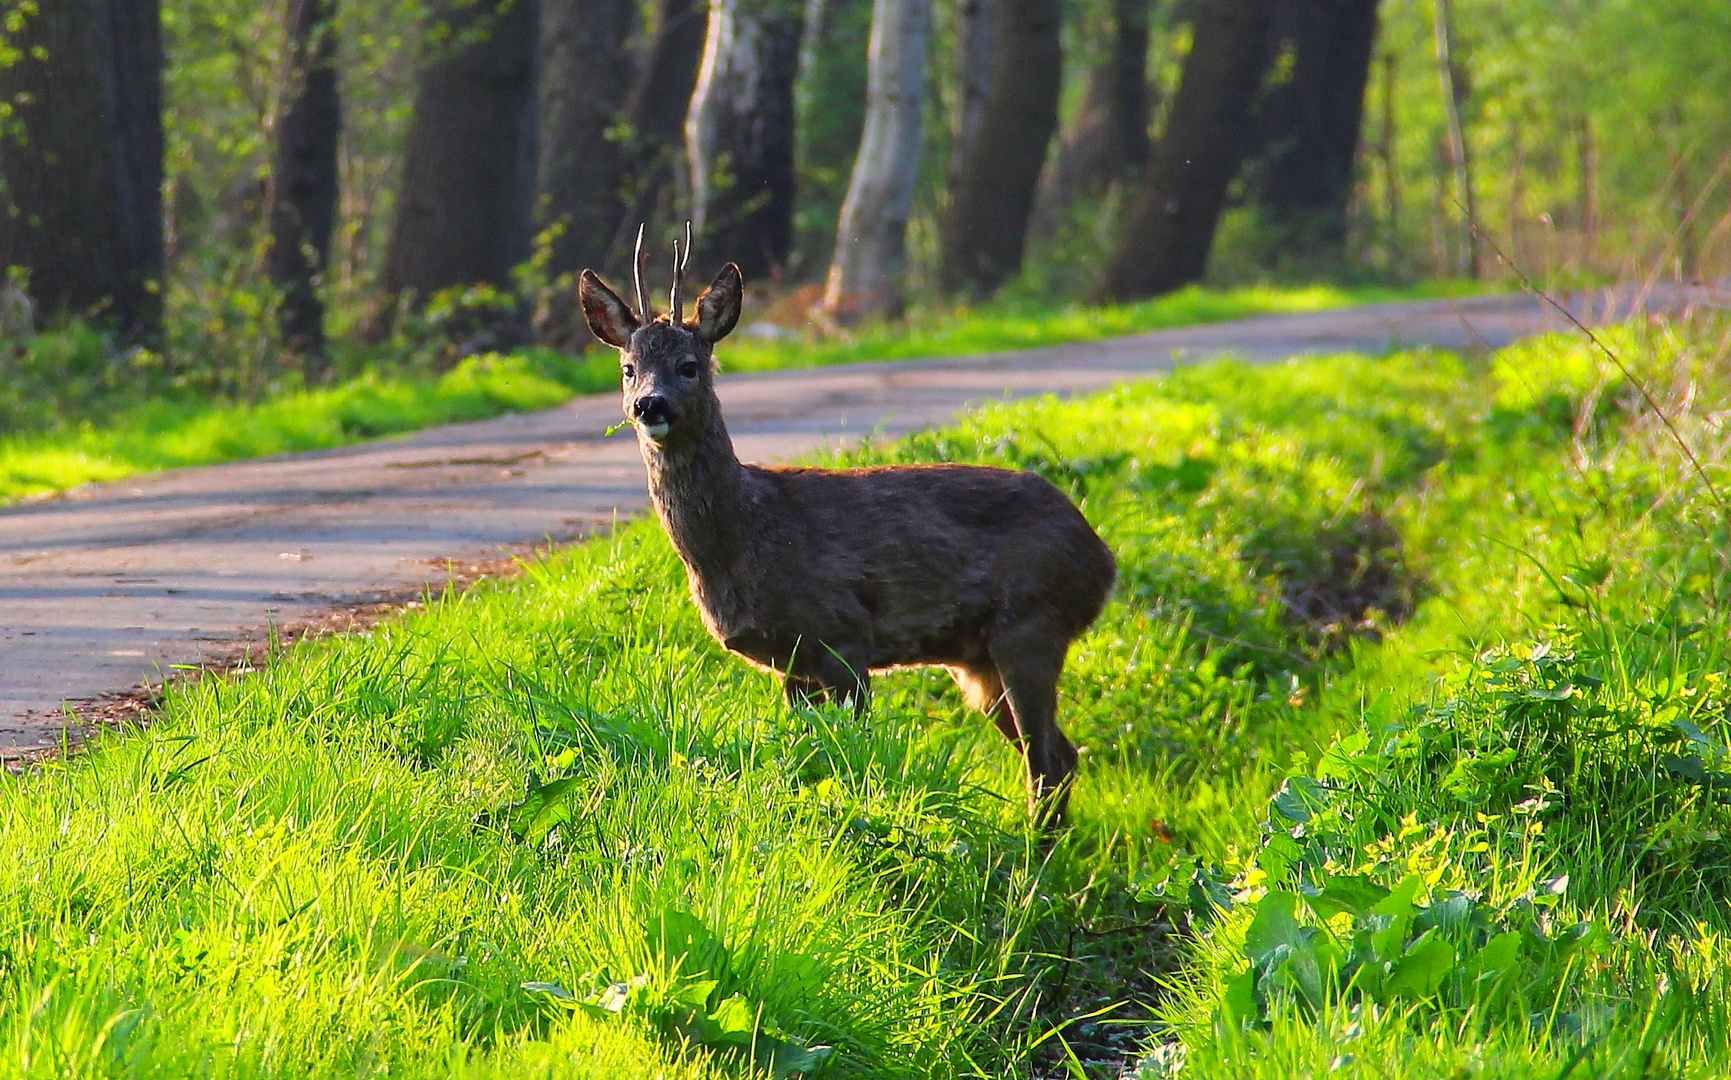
{"x":1402,"y":745}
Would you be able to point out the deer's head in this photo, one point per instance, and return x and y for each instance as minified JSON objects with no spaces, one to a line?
{"x":666,"y":362}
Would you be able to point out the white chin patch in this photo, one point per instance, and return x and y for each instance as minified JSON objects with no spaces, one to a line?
{"x":655,"y":431}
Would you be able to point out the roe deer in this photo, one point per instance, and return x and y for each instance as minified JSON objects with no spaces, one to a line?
{"x":825,"y":575}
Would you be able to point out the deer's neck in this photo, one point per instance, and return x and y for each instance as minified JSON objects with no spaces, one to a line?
{"x":698,"y":492}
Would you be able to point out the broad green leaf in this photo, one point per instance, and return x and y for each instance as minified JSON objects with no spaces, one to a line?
{"x":1390,"y":941}
{"x":1239,"y":1001}
{"x":1399,"y":900}
{"x":733,"y":1021}
{"x":1299,"y":798}
{"x":1421,"y":970}
{"x":1349,"y":893}
{"x":542,"y":808}
{"x":1277,"y":856}
{"x":680,"y":937}
{"x":1275,"y":925}
{"x":1499,"y":955}
{"x":790,"y":1056}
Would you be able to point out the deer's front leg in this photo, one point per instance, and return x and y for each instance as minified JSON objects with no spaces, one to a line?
{"x":803,"y":692}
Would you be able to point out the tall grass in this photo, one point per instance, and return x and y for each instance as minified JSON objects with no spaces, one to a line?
{"x":1429,"y":632}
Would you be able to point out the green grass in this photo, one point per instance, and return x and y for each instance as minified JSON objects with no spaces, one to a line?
{"x":1020,"y":323}
{"x":546,"y":826}
{"x":69,"y":426}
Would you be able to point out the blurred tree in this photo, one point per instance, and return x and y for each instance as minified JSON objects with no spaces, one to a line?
{"x":81,"y":160}
{"x":1452,"y":76}
{"x":1110,"y":135}
{"x":830,"y":96}
{"x":585,"y":69}
{"x":1007,"y":111}
{"x":303,"y":192}
{"x":655,"y":111}
{"x":870,"y":263}
{"x":1170,"y":219}
{"x":1309,"y":119}
{"x":464,"y":203}
{"x":740,"y":134}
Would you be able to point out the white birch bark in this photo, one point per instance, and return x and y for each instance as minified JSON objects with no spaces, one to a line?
{"x":740,"y":131}
{"x":870,"y":264}
{"x":708,"y":99}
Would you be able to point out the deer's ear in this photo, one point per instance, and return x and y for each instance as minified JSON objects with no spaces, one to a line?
{"x":610,"y":318}
{"x":718,"y":307}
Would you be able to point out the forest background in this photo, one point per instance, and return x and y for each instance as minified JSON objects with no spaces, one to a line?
{"x":222,"y":199}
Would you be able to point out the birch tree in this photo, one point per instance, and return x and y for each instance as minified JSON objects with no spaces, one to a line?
{"x":740,"y":134}
{"x":870,"y":263}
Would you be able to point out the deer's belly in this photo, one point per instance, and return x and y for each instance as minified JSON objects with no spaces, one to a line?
{"x":770,"y":650}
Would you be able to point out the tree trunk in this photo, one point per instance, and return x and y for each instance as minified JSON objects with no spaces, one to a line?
{"x":1170,"y":219}
{"x":997,"y":164}
{"x":1460,"y":152}
{"x":81,"y":161}
{"x":1109,"y":137}
{"x":586,"y":69}
{"x":612,"y":129}
{"x":866,"y":275}
{"x":303,"y":197}
{"x":1311,"y":122}
{"x":740,"y":135}
{"x":463,"y":207}
{"x":976,"y":47}
{"x":655,"y":112}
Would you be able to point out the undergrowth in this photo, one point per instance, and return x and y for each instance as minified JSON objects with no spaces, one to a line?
{"x":74,"y":408}
{"x":1403,"y":754}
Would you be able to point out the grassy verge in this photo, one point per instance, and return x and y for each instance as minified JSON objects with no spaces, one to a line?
{"x":1405,"y":751}
{"x":127,"y":436}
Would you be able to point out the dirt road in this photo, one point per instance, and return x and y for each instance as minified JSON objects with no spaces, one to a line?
{"x":105,"y":588}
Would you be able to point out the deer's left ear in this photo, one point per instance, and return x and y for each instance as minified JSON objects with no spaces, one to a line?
{"x":610,"y":318}
{"x":718,"y":307}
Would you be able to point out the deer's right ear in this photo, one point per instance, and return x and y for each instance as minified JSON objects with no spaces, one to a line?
{"x":610,"y":318}
{"x":718,"y":307}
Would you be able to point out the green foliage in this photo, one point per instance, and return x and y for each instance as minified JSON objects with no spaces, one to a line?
{"x":547,"y":825}
{"x":1027,"y":319}
{"x":89,"y":445}
{"x":74,"y":408}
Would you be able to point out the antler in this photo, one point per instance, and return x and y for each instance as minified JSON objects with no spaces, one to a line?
{"x":674,"y":302}
{"x":643,"y":311}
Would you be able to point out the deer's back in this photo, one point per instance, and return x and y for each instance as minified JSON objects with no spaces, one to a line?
{"x":921,"y":559}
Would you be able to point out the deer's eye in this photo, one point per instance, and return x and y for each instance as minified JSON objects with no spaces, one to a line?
{"x":688,"y":370}
{"x":630,"y":371}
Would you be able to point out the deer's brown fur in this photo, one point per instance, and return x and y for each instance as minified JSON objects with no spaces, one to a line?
{"x":825,"y":575}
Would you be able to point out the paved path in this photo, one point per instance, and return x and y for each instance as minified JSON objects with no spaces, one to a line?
{"x":104,"y":589}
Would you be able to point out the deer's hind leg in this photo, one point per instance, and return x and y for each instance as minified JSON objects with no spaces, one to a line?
{"x":1029,"y":658}
{"x":982,"y":689}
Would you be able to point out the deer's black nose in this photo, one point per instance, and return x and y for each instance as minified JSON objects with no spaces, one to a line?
{"x":652,"y":409}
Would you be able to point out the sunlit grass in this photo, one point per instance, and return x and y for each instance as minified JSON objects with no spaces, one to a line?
{"x":452,"y":845}
{"x":1023,"y":323}
{"x":139,"y":436}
